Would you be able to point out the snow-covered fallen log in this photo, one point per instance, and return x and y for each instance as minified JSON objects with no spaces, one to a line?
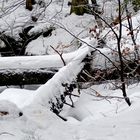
{"x":36,"y":62}
{"x":21,"y":70}
{"x":52,"y":94}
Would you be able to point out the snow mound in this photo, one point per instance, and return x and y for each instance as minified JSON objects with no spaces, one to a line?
{"x":53,"y":88}
{"x":20,"y":97}
{"x":9,"y":110}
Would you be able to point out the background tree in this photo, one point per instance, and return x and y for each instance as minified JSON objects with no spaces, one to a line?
{"x":136,"y":5}
{"x":120,"y":56}
{"x":29,"y":4}
{"x":79,"y":7}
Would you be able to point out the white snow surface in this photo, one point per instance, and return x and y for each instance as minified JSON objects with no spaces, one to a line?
{"x":92,"y":118}
{"x":43,"y":61}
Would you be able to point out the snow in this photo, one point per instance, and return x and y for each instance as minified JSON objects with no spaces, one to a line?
{"x":43,"y":61}
{"x":105,"y":117}
{"x":77,"y":25}
{"x":21,"y":97}
{"x":53,"y":15}
{"x":67,"y":74}
{"x":99,"y":119}
{"x":110,"y":48}
{"x":92,"y":117}
{"x":11,"y":108}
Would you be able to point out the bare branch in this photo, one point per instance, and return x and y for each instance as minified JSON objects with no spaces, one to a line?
{"x":60,"y":54}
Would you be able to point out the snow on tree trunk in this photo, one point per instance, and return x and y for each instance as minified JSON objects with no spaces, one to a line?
{"x":47,"y":62}
{"x":50,"y":94}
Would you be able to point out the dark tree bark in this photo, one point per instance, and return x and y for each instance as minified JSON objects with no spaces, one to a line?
{"x":95,"y":10}
{"x":25,"y":77}
{"x":79,"y":7}
{"x":29,"y":4}
{"x":119,"y":37}
{"x":18,"y":47}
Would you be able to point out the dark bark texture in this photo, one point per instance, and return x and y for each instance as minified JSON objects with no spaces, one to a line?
{"x":26,"y":77}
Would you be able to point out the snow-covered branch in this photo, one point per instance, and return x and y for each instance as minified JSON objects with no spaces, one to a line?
{"x":52,"y":91}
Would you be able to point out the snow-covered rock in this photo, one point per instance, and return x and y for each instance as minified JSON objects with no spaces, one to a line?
{"x":9,"y":110}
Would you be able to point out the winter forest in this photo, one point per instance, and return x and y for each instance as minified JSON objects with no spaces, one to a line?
{"x":69,"y":69}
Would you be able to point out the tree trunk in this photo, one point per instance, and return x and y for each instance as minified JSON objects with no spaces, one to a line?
{"x":26,"y":77}
{"x":95,"y":11}
{"x":29,"y":5}
{"x":22,"y":70}
{"x":79,"y":7}
{"x":40,"y":75}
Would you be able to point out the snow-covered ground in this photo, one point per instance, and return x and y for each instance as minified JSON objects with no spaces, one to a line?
{"x":100,"y":113}
{"x":55,"y":15}
{"x":93,"y":118}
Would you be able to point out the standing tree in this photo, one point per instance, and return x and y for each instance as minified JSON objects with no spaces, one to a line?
{"x":79,"y":7}
{"x":118,"y":38}
{"x":130,"y":27}
{"x":136,"y":5}
{"x":29,"y":4}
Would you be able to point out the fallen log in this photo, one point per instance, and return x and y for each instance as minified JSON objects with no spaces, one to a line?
{"x":22,"y":70}
{"x":26,"y":77}
{"x":52,"y":95}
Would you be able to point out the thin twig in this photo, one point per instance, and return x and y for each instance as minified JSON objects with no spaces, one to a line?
{"x":60,"y":54}
{"x":6,"y":133}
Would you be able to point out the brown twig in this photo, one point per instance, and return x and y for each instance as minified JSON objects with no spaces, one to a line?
{"x":60,"y":54}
